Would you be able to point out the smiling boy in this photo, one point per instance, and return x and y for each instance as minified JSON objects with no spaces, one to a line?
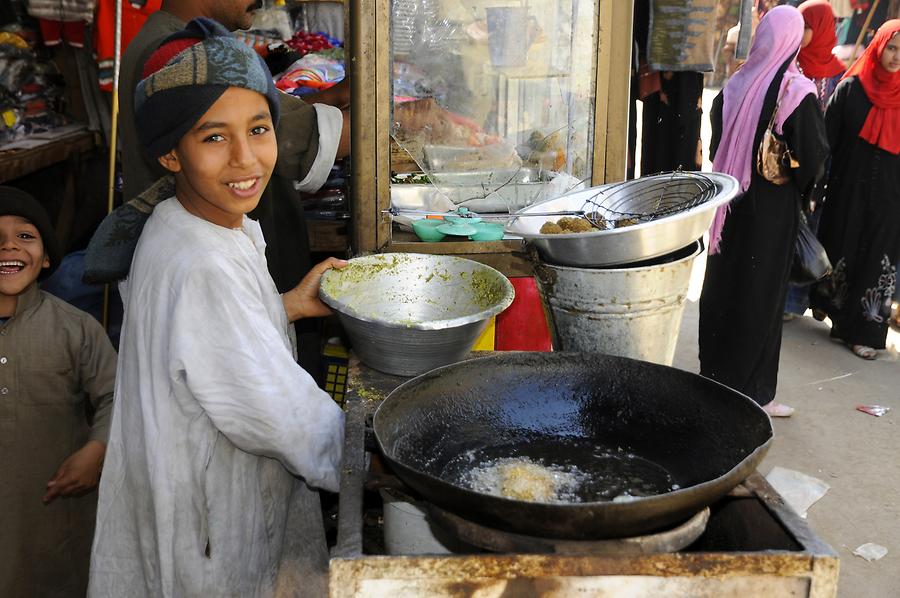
{"x":56,"y":365}
{"x":215,"y":417}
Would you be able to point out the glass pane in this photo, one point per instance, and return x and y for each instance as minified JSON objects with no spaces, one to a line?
{"x":493,"y":100}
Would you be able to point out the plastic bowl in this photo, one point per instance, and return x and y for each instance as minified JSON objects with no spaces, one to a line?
{"x":458,"y":229}
{"x":455,"y":218}
{"x":487,"y":231}
{"x":427,"y":229}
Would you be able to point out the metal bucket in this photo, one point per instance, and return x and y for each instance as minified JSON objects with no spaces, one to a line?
{"x":408,"y":530}
{"x":630,"y":312}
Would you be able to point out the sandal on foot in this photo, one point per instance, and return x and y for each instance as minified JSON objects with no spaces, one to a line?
{"x":864,"y":352}
{"x":778,"y":410}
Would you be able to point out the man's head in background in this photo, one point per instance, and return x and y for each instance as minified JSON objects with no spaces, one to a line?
{"x":233,"y":14}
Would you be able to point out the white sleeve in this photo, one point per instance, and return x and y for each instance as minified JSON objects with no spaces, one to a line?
{"x":231,"y":356}
{"x":330,"y":121}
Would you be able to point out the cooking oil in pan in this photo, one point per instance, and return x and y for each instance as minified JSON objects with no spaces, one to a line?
{"x":551,"y":473}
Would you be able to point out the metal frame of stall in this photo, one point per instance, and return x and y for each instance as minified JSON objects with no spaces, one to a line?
{"x":370,"y":186}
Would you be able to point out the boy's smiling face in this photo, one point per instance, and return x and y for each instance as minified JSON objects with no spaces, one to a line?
{"x":223,"y":164}
{"x":22,"y":255}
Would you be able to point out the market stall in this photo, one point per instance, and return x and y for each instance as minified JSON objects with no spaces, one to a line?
{"x":478,"y":111}
{"x":488,"y":107}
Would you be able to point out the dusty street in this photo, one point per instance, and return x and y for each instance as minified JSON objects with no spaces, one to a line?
{"x":857,"y":454}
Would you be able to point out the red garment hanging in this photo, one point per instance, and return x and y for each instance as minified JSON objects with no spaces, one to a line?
{"x":134,"y":14}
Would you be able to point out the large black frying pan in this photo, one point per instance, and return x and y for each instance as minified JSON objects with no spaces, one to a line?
{"x":551,"y":408}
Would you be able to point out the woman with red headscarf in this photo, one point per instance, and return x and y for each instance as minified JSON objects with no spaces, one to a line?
{"x":815,"y":59}
{"x":860,"y":225}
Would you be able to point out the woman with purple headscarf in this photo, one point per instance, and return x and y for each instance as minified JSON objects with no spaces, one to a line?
{"x":752,"y":241}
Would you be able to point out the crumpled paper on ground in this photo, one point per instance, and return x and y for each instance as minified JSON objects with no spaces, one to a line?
{"x":870,"y":551}
{"x":798,"y":490}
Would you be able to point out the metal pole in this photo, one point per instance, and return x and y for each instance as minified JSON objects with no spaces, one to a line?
{"x":117,"y":51}
{"x":745,"y":34}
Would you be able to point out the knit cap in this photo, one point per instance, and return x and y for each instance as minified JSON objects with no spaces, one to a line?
{"x":187,"y":74}
{"x":15,"y":202}
{"x":184,"y":77}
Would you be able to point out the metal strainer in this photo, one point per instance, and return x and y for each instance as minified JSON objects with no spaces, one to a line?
{"x":641,"y":200}
{"x":668,"y":212}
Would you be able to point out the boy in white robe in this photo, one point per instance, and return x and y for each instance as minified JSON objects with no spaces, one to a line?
{"x":214,"y":418}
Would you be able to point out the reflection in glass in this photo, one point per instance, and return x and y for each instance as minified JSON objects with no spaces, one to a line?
{"x":494,"y":100}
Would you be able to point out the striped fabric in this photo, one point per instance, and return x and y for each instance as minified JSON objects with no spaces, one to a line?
{"x":62,"y":10}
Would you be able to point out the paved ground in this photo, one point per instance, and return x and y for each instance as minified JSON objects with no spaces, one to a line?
{"x":857,"y":454}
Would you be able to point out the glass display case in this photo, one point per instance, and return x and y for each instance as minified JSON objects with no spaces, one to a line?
{"x":490,"y":105}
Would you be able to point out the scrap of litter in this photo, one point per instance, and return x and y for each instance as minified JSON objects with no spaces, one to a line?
{"x":833,"y":379}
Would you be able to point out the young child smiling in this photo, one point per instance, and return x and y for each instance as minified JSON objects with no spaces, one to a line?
{"x":56,"y":366}
{"x":215,"y":417}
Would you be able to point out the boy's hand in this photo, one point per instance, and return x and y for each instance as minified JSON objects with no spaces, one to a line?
{"x":79,"y":474}
{"x":303,"y":300}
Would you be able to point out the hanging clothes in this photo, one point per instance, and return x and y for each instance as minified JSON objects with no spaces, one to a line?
{"x":62,"y":20}
{"x":682,"y":35}
{"x":746,"y":281}
{"x":860,"y":225}
{"x":676,"y":40}
{"x":62,"y":10}
{"x":134,"y":15}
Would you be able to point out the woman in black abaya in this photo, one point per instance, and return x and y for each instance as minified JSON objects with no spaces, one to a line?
{"x":860,"y":226}
{"x":751,"y":250}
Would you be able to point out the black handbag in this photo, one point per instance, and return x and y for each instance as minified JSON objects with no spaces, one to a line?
{"x":811,"y":262}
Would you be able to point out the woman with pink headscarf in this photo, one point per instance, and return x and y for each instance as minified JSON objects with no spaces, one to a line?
{"x":752,"y":242}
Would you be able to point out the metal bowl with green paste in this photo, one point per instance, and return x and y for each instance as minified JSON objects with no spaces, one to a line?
{"x":408,"y":313}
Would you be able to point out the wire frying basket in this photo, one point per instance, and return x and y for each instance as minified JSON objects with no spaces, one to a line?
{"x":633,"y":202}
{"x":670,"y":211}
{"x":641,"y":200}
